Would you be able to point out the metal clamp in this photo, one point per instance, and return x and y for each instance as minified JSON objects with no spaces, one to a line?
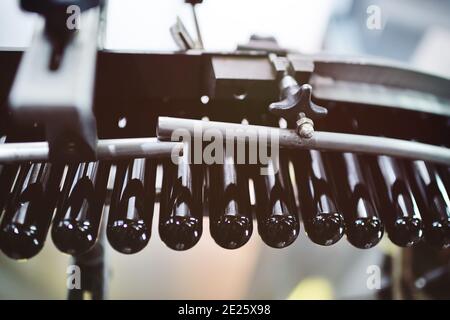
{"x":60,"y":96}
{"x":295,"y":100}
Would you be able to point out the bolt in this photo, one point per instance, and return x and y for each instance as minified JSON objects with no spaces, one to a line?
{"x":305,"y":127}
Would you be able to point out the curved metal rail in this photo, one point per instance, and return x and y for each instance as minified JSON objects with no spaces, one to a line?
{"x":107,"y":149}
{"x":321,"y":140}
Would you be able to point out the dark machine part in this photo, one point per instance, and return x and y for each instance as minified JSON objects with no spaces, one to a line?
{"x":55,"y":13}
{"x":250,"y":78}
{"x":92,"y":267}
{"x":431,"y":271}
{"x":78,"y":215}
{"x":266,"y":44}
{"x":423,"y":273}
{"x":296,"y":100}
{"x":132,"y":201}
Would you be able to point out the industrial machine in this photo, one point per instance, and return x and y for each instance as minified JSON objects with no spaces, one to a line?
{"x":361,"y":149}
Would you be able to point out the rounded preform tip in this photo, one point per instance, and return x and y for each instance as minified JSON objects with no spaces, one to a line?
{"x":20,"y":241}
{"x":280,"y":231}
{"x":232,"y":231}
{"x":407,"y":231}
{"x":128,"y":236}
{"x":73,"y":237}
{"x":327,"y":228}
{"x":365,"y":233}
{"x":181,"y":232}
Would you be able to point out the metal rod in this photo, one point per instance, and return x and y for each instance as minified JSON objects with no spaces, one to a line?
{"x":197,"y":28}
{"x":107,"y":149}
{"x":321,"y":140}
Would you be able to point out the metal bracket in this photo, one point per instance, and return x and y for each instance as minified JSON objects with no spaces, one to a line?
{"x":181,"y":36}
{"x":60,"y":98}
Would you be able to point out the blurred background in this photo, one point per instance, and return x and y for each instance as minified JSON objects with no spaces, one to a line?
{"x":413,"y":32}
